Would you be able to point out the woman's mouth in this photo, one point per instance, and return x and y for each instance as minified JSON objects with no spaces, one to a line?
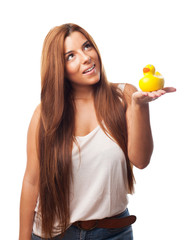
{"x":89,"y":70}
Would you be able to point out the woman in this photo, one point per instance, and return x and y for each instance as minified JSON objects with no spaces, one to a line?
{"x":83,"y":140}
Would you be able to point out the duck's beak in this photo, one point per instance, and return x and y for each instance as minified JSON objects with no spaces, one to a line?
{"x":145,"y":70}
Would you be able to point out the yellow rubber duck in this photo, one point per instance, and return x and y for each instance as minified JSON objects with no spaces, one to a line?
{"x":152,"y":81}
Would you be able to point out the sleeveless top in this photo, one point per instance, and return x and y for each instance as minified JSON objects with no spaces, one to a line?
{"x":100,"y":186}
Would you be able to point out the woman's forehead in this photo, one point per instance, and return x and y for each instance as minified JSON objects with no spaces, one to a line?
{"x":74,"y":41}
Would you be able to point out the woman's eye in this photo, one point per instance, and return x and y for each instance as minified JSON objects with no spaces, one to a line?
{"x":70,"y":56}
{"x":87,"y":46}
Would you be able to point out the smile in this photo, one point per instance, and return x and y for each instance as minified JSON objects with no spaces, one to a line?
{"x":89,"y":70}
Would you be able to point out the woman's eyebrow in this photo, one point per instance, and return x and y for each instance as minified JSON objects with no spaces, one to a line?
{"x":85,"y":43}
{"x":67,"y":53}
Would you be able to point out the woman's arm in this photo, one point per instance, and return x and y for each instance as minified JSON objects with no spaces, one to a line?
{"x":140,"y":140}
{"x":29,"y":191}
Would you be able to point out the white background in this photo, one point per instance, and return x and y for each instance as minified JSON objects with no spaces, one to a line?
{"x":129,"y":34}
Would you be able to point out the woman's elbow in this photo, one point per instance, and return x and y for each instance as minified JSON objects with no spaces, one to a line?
{"x":141,"y":162}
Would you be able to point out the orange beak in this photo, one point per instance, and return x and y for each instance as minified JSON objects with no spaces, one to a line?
{"x":145,"y":70}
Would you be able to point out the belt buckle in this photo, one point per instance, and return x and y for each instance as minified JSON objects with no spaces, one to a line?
{"x":87,"y":229}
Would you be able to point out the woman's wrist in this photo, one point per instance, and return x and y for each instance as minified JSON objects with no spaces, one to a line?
{"x":136,"y":104}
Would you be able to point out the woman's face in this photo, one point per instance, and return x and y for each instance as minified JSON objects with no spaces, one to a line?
{"x":82,"y":65}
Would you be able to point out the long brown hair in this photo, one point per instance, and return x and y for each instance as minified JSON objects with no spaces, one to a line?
{"x":57,"y":126}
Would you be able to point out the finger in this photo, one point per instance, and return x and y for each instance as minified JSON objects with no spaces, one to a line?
{"x":145,"y":93}
{"x":161,"y":91}
{"x":151,"y":97}
{"x":157,"y":94}
{"x":169,"y":89}
{"x":140,"y":95}
{"x":152,"y":94}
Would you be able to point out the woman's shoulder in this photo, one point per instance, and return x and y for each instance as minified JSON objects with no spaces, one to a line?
{"x":35,"y":118}
{"x":37,"y":111}
{"x":127,"y":89}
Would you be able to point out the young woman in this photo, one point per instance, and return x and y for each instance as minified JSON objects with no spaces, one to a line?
{"x":83,"y":140}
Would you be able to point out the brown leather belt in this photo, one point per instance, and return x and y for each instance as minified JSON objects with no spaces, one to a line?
{"x":105,"y":223}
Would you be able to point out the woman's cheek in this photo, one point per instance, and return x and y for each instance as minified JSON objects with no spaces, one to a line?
{"x":74,"y":67}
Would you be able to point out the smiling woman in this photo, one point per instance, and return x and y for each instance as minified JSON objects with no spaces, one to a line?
{"x":82,"y":62}
{"x":83,"y":140}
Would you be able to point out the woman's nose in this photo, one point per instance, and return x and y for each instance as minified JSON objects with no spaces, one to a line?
{"x":86,"y":58}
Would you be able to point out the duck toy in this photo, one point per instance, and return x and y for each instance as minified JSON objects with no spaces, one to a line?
{"x":152,"y":81}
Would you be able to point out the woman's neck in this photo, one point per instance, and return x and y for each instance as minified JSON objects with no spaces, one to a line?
{"x":83,"y":92}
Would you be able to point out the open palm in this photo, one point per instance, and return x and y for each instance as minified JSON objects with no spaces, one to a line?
{"x":145,"y":97}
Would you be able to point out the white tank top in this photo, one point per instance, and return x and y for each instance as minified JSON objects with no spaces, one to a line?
{"x":100,"y":184}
